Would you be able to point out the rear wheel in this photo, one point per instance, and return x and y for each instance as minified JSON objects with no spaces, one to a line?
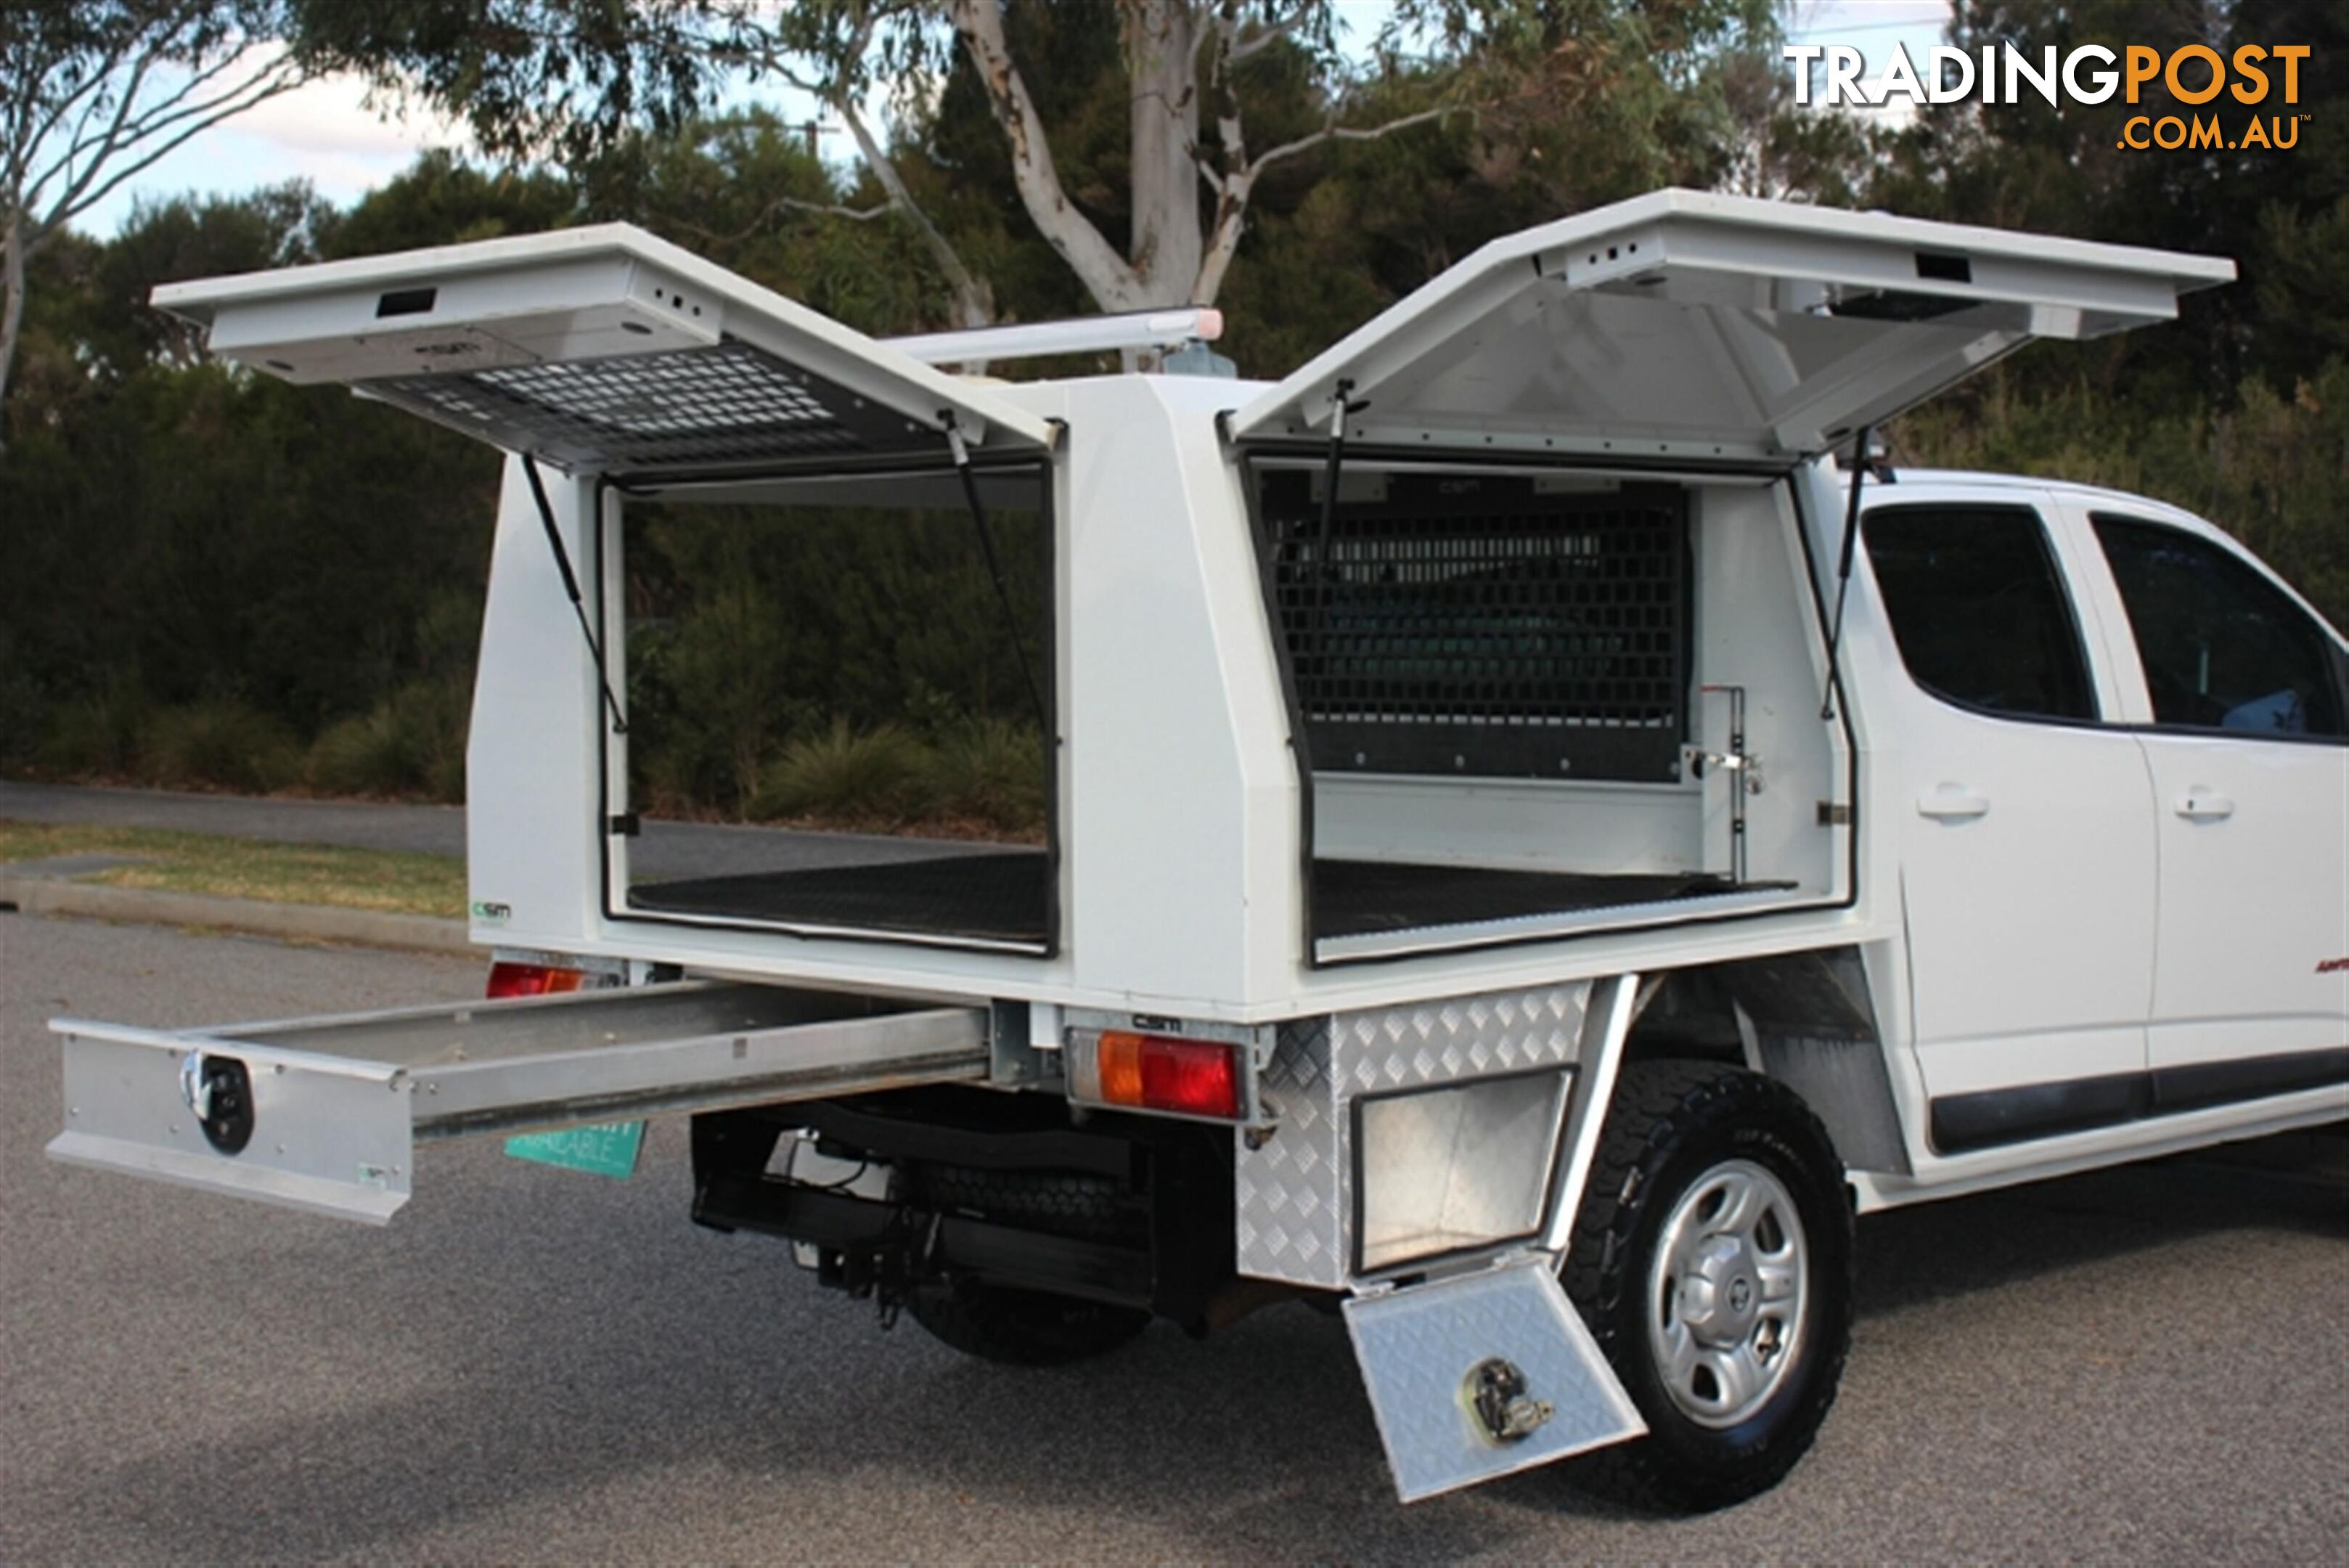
{"x":1712,"y":1261}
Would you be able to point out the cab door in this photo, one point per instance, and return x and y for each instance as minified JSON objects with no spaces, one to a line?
{"x":2241,"y":711}
{"x":2022,"y":822}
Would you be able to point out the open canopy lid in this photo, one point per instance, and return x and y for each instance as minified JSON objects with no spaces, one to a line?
{"x":599,"y":349}
{"x":1686,"y":326}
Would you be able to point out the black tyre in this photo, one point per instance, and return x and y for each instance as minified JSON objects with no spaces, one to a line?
{"x":1023,"y":1327}
{"x":1712,"y":1259}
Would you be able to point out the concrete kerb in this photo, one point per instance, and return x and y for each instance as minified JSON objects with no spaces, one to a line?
{"x":301,"y":922}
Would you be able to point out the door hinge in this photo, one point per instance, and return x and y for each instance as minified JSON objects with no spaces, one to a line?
{"x":628,"y":825}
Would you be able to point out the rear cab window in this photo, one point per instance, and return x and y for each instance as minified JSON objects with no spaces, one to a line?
{"x":2223,"y":648}
{"x":1979,"y":609}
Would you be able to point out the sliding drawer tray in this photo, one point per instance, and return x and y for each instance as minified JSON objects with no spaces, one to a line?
{"x":324,"y":1114}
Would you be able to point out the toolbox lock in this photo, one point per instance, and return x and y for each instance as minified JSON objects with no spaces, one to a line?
{"x":220,"y":1092}
{"x":1495,"y":1392}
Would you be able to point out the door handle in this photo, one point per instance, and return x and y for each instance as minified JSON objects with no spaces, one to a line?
{"x":2201,"y":804}
{"x":1952,"y":801}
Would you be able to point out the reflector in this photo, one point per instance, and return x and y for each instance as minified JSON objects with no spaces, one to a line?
{"x":533,"y":980}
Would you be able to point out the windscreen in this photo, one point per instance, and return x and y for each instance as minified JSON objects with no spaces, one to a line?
{"x":836,"y":694}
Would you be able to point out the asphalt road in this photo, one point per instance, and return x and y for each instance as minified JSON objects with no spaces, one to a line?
{"x":665,"y":850}
{"x":535,"y":1364}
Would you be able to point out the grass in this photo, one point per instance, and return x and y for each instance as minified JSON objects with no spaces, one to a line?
{"x":403,"y":884}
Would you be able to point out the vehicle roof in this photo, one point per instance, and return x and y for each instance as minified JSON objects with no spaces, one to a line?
{"x":1980,"y":479}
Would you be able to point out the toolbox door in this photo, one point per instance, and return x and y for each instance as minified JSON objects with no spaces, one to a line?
{"x":1681,"y":326}
{"x":599,"y":349}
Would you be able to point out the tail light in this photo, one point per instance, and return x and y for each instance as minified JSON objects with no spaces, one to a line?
{"x":533,"y":980}
{"x":1157,"y":1073}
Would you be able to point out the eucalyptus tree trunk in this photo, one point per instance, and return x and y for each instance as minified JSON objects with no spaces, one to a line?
{"x":12,"y":308}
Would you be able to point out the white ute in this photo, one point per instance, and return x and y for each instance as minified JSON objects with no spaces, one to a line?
{"x":1535,"y":844}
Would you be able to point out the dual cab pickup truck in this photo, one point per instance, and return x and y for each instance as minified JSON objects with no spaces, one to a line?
{"x":1534,"y":844}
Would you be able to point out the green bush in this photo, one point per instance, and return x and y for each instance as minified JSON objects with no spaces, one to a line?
{"x":95,"y":734}
{"x":222,"y":740}
{"x":991,"y":774}
{"x":411,"y":742}
{"x":848,"y":778}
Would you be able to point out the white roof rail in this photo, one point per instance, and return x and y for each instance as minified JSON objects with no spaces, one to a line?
{"x":1078,"y":335}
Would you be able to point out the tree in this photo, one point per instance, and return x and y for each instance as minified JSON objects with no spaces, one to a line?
{"x":1199,"y":79}
{"x":94,"y":92}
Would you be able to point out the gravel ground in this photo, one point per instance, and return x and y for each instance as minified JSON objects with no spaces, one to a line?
{"x":535,"y":1364}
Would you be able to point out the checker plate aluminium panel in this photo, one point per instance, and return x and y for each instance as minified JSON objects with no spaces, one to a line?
{"x":1296,"y":1205}
{"x":1418,"y":1347}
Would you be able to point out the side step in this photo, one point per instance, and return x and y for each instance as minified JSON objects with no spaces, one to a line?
{"x":324,"y":1114}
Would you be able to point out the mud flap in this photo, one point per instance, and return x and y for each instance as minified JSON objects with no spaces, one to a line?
{"x":1483,"y":1375}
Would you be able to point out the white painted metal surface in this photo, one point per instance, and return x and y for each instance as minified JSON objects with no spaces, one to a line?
{"x":2252,"y":845}
{"x":2025,"y":852}
{"x":597,"y":348}
{"x":2254,"y":856}
{"x":1684,"y":325}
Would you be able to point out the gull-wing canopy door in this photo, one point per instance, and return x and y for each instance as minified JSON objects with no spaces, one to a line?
{"x":1681,"y":326}
{"x":599,"y":349}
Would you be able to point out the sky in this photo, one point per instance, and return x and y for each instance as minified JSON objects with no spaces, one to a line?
{"x":326,"y":133}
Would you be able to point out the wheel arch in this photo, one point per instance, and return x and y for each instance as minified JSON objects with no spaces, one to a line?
{"x":1808,"y":1020}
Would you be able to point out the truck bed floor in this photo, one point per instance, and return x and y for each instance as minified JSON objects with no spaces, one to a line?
{"x":1356,"y":898}
{"x":1001,"y":895}
{"x":995,"y":896}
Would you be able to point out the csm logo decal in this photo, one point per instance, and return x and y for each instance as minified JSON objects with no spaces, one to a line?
{"x":490,"y":912}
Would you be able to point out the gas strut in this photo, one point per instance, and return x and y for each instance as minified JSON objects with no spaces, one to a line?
{"x":1843,"y":566}
{"x":1322,"y":568}
{"x":571,"y":586}
{"x":961,"y":450}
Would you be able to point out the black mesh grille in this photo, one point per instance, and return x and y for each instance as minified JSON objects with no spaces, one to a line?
{"x":712,"y":407}
{"x":1472,"y":626}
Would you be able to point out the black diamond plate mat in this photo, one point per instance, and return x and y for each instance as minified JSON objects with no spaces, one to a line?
{"x":1356,"y":898}
{"x":997,"y":897}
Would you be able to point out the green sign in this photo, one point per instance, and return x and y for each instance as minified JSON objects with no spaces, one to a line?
{"x":606,"y":1149}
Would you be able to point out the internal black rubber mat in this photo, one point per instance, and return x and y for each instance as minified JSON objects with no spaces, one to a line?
{"x":1357,"y":898}
{"x":996,"y":897}
{"x":1001,"y":896}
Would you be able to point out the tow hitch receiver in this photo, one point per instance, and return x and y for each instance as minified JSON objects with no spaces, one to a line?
{"x":1482,"y":1374}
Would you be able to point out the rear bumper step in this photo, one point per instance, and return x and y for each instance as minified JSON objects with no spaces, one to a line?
{"x":324,"y":1114}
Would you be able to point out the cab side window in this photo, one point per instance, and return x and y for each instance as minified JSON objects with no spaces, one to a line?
{"x":2222,"y":648}
{"x":1982,"y":617}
